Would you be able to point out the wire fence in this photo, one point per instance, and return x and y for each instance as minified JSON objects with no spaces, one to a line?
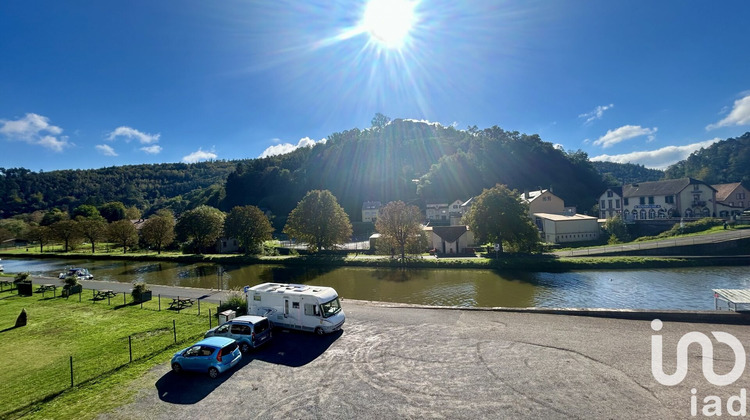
{"x":39,"y":372}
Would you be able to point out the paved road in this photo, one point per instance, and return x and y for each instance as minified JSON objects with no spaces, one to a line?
{"x":398,"y":362}
{"x":729,"y":235}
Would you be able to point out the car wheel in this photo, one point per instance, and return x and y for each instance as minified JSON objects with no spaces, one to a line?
{"x":245,"y":347}
{"x":176,"y":368}
{"x":319,"y":331}
{"x":213,"y":373}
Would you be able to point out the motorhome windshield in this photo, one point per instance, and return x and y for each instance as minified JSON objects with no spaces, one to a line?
{"x":331,"y":308}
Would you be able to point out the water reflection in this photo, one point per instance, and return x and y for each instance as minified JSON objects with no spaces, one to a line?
{"x":688,"y":288}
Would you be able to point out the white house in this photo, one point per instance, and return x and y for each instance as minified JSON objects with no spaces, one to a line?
{"x":610,"y":203}
{"x":685,"y":197}
{"x":450,"y":239}
{"x":370,"y":210}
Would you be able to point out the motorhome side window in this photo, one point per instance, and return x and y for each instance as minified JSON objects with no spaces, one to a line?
{"x":311,"y":309}
{"x":295,"y":305}
{"x":224,"y":328}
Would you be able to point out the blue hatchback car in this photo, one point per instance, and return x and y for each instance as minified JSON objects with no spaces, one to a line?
{"x":212,"y":355}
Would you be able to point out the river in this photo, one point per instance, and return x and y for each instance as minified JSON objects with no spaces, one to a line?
{"x":688,"y":288}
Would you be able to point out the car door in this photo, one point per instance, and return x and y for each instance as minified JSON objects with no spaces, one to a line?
{"x":242,"y":332}
{"x":190,"y":358}
{"x":223,"y":331}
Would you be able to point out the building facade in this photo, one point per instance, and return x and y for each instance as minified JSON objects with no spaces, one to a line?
{"x":673,"y":198}
{"x":731,"y":199}
{"x":559,"y":228}
{"x":610,"y":203}
{"x":543,"y":201}
{"x":370,"y":210}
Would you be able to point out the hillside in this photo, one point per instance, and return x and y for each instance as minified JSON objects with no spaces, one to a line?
{"x":722,"y":162}
{"x":624,"y":173}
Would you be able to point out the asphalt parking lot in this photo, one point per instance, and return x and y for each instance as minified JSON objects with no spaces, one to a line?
{"x":400,"y":362}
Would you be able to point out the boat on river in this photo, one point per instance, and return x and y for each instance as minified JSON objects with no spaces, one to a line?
{"x":81,"y":273}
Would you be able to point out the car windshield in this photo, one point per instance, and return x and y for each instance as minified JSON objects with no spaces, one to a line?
{"x":331,"y":307}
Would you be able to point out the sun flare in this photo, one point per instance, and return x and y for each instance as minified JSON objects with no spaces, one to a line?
{"x":389,"y":21}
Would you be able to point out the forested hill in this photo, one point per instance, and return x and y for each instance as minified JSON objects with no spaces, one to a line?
{"x":722,"y":162}
{"x":616,"y":174}
{"x":413,"y":161}
{"x":24,"y":191}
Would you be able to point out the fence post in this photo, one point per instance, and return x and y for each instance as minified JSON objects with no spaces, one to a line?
{"x":209,"y":319}
{"x":79,"y":295}
{"x":130,"y":348}
{"x":124,"y":302}
{"x":174,"y":328}
{"x":199,"y":306}
{"x":159,"y":296}
{"x":71,"y":371}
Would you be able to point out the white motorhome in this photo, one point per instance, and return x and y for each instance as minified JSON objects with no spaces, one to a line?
{"x":297,"y":306}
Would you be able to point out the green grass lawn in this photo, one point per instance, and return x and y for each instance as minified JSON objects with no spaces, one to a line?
{"x":36,"y":373}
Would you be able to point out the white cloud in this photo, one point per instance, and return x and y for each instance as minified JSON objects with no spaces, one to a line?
{"x":624,"y":133}
{"x":152,"y":150}
{"x":35,"y":129}
{"x":740,"y":114}
{"x":199,"y":156}
{"x":131,"y":133}
{"x":106,"y":150}
{"x":659,"y":158}
{"x":596,"y":114}
{"x":284,"y":148}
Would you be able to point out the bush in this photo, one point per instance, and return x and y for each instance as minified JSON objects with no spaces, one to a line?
{"x":236,"y":301}
{"x":71,"y":281}
{"x":21,"y":277}
{"x":139,"y":288}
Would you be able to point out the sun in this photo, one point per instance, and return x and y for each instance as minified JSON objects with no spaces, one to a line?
{"x":389,"y":21}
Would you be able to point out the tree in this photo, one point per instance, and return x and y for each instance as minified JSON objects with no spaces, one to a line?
{"x":17,"y":228}
{"x":66,"y":231}
{"x":85,"y":211}
{"x":40,"y":234}
{"x":53,"y":216}
{"x":123,"y":233}
{"x":617,"y":229}
{"x":498,"y":215}
{"x":249,"y":225}
{"x":94,"y":229}
{"x":158,"y":230}
{"x":400,"y":226}
{"x":380,"y":120}
{"x":319,"y":221}
{"x":132,"y":213}
{"x":203,"y":226}
{"x":112,"y":211}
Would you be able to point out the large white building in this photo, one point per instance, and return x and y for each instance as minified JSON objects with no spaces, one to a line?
{"x":680,"y":198}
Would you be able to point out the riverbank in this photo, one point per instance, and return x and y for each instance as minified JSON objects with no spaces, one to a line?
{"x":523,"y":262}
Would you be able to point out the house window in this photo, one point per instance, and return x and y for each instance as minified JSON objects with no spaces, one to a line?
{"x":610,"y":203}
{"x":696,"y":187}
{"x":635,"y":214}
{"x":742,"y":203}
{"x":642,"y":200}
{"x":651,"y":200}
{"x":740,"y":196}
{"x":652,"y":214}
{"x":604,"y":206}
{"x":625,"y":202}
{"x":617,"y":203}
{"x":669,"y":199}
{"x":643,"y":214}
{"x":609,"y":194}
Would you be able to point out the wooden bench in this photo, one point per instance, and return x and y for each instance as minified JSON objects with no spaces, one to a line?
{"x":104,"y":294}
{"x":45,"y":288}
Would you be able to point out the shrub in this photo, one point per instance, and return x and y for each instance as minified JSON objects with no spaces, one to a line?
{"x":71,"y":281}
{"x":138,"y":289}
{"x":21,"y":277}
{"x":236,"y":301}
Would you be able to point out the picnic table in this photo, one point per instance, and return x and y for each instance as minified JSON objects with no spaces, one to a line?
{"x":45,"y":288}
{"x":104,"y":294}
{"x":181,"y":303}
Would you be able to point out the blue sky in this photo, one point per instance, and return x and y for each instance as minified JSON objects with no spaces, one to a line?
{"x":96,"y":84}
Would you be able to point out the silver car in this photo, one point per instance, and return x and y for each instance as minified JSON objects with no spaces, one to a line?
{"x":248,"y":330}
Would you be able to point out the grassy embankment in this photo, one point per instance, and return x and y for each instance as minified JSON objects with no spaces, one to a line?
{"x":35,"y":379}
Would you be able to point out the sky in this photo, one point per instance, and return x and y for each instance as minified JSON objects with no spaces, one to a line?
{"x":104,"y":83}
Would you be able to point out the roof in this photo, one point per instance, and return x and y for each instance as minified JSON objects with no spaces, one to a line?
{"x":322,"y":292}
{"x":532,"y":194}
{"x":616,"y":190}
{"x":216,"y":341}
{"x":563,"y":218}
{"x":724,"y":190}
{"x":666,"y":187}
{"x":449,"y":233}
{"x":253,"y":319}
